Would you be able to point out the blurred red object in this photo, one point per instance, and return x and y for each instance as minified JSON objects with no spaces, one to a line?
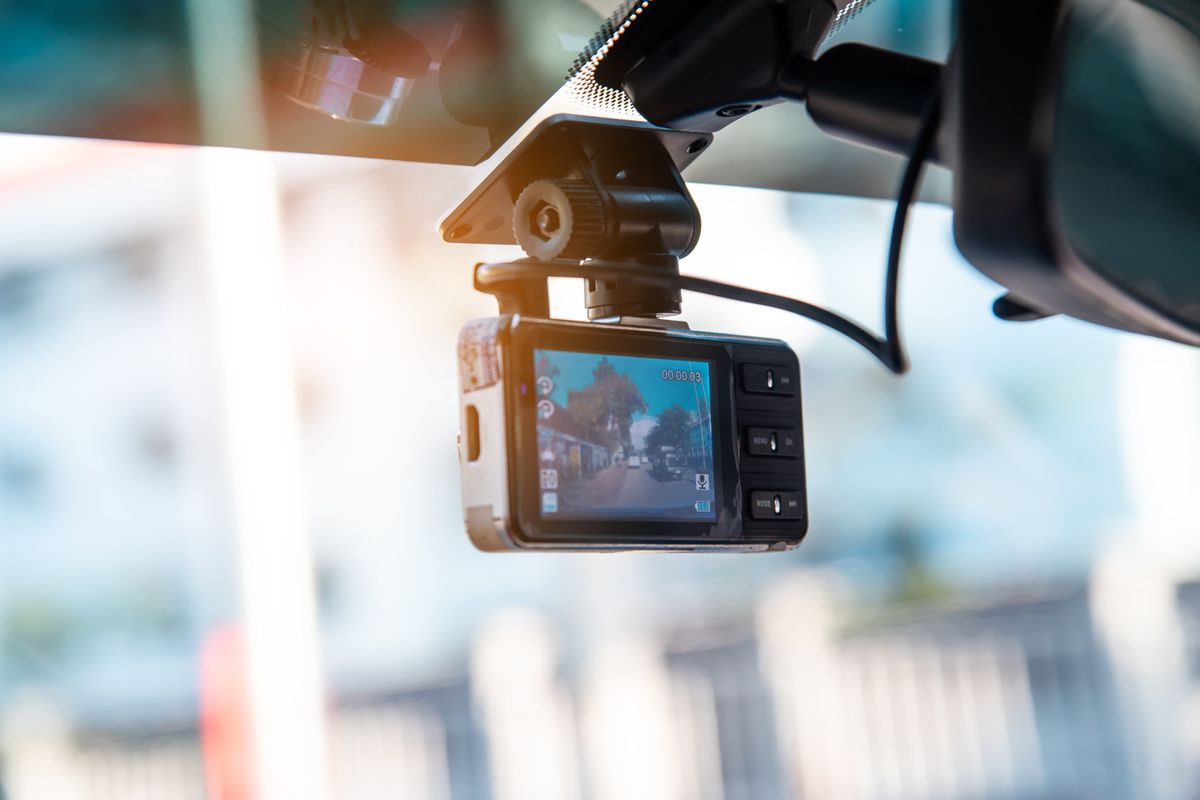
{"x":225,"y":733}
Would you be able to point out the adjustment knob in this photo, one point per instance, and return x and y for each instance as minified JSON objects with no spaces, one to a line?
{"x":559,"y":219}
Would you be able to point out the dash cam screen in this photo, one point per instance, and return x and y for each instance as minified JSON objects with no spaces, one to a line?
{"x":623,"y":436}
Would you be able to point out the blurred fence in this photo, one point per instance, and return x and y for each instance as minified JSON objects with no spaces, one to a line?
{"x":167,"y":768}
{"x":1079,"y":691}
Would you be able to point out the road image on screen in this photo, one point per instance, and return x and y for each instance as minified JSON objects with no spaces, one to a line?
{"x":623,"y":436}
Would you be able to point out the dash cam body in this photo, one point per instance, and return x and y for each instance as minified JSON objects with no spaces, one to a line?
{"x":605,"y":437}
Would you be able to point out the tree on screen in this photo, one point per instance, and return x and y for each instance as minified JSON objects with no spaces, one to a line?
{"x":605,"y":407}
{"x":670,"y":429}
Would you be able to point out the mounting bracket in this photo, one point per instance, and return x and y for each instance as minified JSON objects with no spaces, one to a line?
{"x":581,"y":188}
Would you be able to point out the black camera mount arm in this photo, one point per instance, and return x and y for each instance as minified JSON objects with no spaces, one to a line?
{"x":520,"y":287}
{"x":700,"y":65}
{"x":581,"y":189}
{"x":645,"y":285}
{"x":587,"y":196}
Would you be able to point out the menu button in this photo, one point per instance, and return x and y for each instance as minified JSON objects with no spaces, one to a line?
{"x":779,"y":442}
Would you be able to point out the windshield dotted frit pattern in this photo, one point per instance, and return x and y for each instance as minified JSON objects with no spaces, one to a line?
{"x":845,"y":14}
{"x":582,"y":77}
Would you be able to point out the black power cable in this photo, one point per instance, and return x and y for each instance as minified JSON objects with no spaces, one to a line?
{"x":887,"y":349}
{"x":495,"y":274}
{"x":893,"y":356}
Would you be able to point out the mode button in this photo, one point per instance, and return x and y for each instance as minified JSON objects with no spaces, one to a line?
{"x":776,"y":505}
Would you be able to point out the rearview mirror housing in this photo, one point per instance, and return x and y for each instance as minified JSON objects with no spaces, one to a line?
{"x":1076,"y":129}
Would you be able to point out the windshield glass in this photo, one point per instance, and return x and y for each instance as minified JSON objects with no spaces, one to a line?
{"x":232,"y":551}
{"x":441,"y":81}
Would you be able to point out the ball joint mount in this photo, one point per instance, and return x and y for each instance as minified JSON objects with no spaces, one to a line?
{"x":580,"y":190}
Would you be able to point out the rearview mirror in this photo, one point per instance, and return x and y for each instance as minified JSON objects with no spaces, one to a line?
{"x":1077,"y":170}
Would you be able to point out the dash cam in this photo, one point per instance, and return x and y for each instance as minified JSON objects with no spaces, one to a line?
{"x":605,"y":437}
{"x":629,"y":432}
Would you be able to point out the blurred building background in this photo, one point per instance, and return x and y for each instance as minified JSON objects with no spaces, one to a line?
{"x":996,"y":599}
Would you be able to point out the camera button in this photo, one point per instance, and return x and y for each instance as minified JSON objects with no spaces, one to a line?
{"x":768,"y":379}
{"x":776,"y":505}
{"x":778,"y":442}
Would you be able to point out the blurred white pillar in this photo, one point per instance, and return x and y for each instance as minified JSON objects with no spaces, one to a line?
{"x":532,"y":751}
{"x":632,"y":747}
{"x":629,"y":738}
{"x":1158,"y":399}
{"x":802,"y":663}
{"x":39,"y":757}
{"x":243,"y":263}
{"x":698,"y":736}
{"x":244,"y":266}
{"x":1134,"y":606}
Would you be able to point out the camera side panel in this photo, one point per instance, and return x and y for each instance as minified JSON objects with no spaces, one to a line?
{"x":483,"y":438}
